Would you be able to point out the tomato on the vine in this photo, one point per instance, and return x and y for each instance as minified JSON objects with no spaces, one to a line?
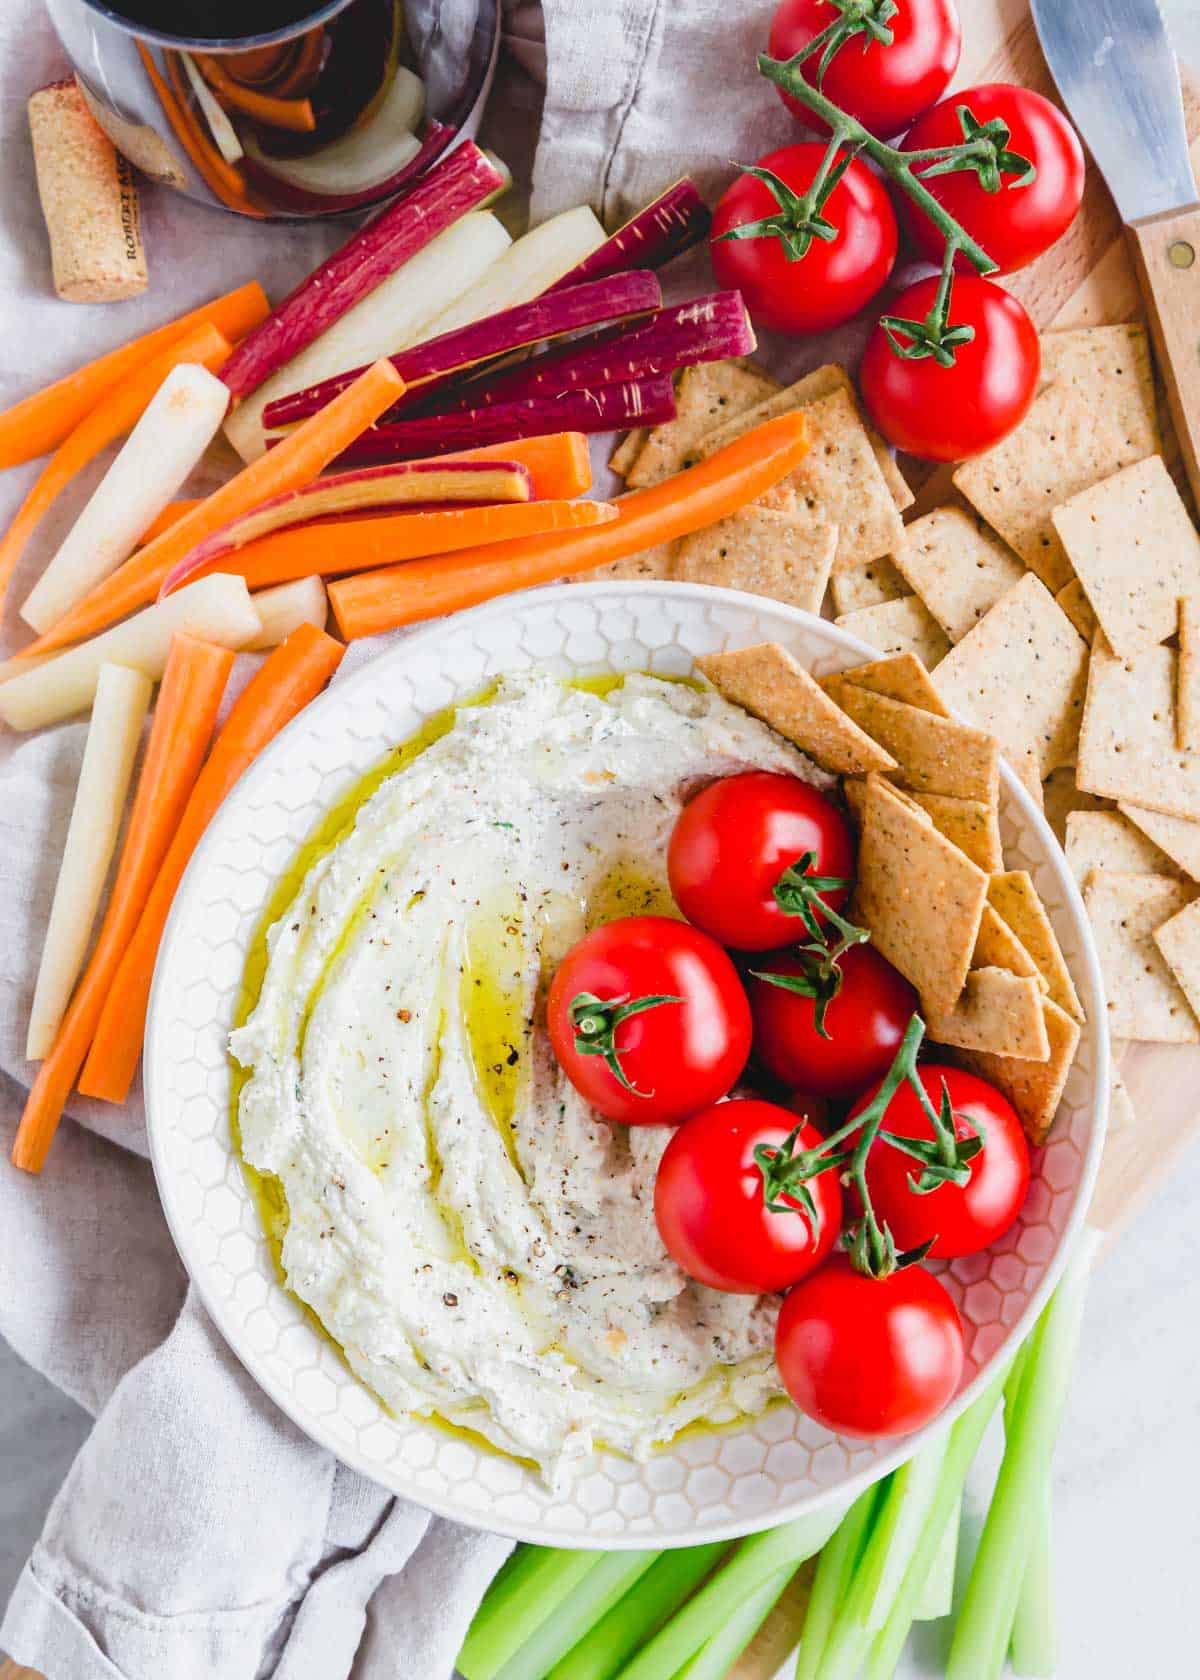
{"x":869,"y":1356}
{"x":884,"y":61}
{"x":736,"y":853}
{"x":865,"y":1020}
{"x":955,"y":1219}
{"x":648,"y":1020}
{"x":943,"y":410}
{"x":1022,"y":191}
{"x":803,"y":266}
{"x":711,"y":1210}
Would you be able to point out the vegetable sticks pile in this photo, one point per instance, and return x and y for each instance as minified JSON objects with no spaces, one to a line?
{"x":882,"y":1565}
{"x":451,"y":374}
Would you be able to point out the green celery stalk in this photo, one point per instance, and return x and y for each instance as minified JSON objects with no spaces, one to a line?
{"x":937,"y":1595}
{"x":656,"y":1595}
{"x":965,"y":1436}
{"x":752,"y":1565}
{"x":835,"y":1570}
{"x":902,"y":1515}
{"x":594,"y":1596}
{"x":714,"y":1660}
{"x":1034,"y":1647}
{"x":529,"y":1590}
{"x":985,"y":1620}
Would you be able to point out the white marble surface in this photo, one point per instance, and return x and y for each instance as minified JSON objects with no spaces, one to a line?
{"x":1128,"y":1464}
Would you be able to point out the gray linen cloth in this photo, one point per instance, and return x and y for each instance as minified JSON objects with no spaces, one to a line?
{"x":199,"y":1533}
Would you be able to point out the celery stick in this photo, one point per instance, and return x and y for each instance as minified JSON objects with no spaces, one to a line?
{"x":835,"y":1570}
{"x":1035,"y":1632}
{"x":985,"y":1621}
{"x":714,"y":1660}
{"x":530,"y":1589}
{"x":963,"y":1444}
{"x":666,"y":1585}
{"x":901,"y":1517}
{"x":593,"y":1597}
{"x":753,"y":1564}
{"x":937,"y":1595}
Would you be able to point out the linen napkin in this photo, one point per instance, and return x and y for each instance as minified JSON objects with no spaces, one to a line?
{"x":199,"y":1532}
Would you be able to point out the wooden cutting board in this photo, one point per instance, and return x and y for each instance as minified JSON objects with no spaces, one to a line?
{"x":1086,"y":280}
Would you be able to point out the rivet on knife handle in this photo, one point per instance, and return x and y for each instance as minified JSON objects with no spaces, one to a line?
{"x":1167,"y":255}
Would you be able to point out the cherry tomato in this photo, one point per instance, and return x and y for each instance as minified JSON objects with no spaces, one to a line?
{"x":733,"y":844}
{"x":961,"y":1221}
{"x":648,"y":1020}
{"x":884,"y":85}
{"x":948,"y":413}
{"x":709,"y":1204}
{"x":1022,"y":219}
{"x":869,"y":1356}
{"x":834,"y":278}
{"x":865,"y":1023}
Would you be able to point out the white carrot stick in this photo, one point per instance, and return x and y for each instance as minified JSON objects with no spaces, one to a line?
{"x":157,"y":456}
{"x":219,"y":126}
{"x":285,"y":608}
{"x":122,"y":697}
{"x":217,"y":609}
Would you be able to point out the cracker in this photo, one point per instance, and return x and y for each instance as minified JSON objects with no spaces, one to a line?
{"x":1178,"y":941}
{"x":766,"y":681}
{"x":1135,"y":551}
{"x":972,"y":825}
{"x":997,"y":1012}
{"x":1144,"y":998}
{"x":1072,"y":598}
{"x":628,"y":450}
{"x":957,"y":566}
{"x":1034,"y":1088}
{"x":1178,"y":838}
{"x":866,"y":586}
{"x":1187,"y":676}
{"x":997,"y":946}
{"x":901,"y":676}
{"x":811,"y":387}
{"x":1127,"y":740}
{"x":1021,"y":674}
{"x":784,"y":556}
{"x":652,"y":563}
{"x":903,"y":626}
{"x":933,"y":754}
{"x":1061,"y":796}
{"x":1096,"y":417}
{"x":920,"y":896}
{"x":706,"y":394}
{"x":1104,"y":840}
{"x":1014,"y":897}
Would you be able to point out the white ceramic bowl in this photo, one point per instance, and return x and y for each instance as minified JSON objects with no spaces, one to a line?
{"x":711,"y":1485}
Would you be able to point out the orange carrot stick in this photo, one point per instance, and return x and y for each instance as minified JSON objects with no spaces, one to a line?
{"x":558,"y":462}
{"x":192,"y":685}
{"x":295,"y":115}
{"x":220,"y":177}
{"x":375,"y":601}
{"x":288,"y":679}
{"x":39,"y":423}
{"x":170,"y":515}
{"x":297,"y":461}
{"x":114,"y":415}
{"x":353,"y":545}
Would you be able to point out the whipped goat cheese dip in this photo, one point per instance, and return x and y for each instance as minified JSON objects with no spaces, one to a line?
{"x":480,"y":1244}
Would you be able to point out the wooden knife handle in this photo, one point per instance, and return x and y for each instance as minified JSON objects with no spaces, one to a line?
{"x":1167,"y":255}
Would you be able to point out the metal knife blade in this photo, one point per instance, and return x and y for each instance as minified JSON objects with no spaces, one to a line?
{"x":1119,"y":79}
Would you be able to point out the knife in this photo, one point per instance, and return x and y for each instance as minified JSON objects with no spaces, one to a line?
{"x":1119,"y":79}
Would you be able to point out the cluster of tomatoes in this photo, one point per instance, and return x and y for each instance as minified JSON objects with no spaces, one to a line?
{"x":983,"y":183}
{"x":655,"y":1022}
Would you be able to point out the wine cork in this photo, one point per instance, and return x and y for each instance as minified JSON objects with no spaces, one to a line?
{"x":89,"y":199}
